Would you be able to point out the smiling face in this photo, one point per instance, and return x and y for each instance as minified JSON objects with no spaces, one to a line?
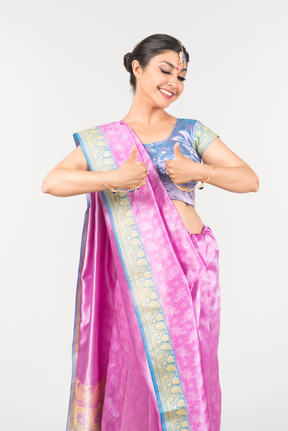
{"x":162,"y":81}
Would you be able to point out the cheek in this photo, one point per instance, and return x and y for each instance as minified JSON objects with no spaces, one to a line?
{"x":180,"y":88}
{"x":151,"y":83}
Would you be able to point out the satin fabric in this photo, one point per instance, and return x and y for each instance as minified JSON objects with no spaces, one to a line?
{"x":193,"y":138}
{"x":147,"y":311}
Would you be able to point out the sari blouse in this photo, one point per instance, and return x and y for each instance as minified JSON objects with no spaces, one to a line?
{"x":193,"y":137}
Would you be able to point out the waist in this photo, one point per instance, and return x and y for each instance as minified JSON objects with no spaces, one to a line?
{"x":189,"y":216}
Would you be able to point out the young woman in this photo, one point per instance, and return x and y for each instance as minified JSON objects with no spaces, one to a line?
{"x":148,"y":309}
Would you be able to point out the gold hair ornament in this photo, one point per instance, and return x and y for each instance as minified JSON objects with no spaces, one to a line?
{"x":182,"y":56}
{"x":200,"y":187}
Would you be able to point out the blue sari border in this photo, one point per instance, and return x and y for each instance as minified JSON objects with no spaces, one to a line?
{"x":158,"y":348}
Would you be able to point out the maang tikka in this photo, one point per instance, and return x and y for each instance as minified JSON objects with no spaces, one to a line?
{"x":182,"y":56}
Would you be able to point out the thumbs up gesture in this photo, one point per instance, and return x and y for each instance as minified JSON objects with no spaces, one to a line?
{"x":131,"y":173}
{"x":133,"y":156}
{"x":181,"y":168}
{"x":177,"y":151}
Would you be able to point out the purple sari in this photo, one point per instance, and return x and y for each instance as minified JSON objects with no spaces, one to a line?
{"x":148,"y":306}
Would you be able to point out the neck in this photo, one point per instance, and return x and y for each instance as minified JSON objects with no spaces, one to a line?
{"x":142,"y":112}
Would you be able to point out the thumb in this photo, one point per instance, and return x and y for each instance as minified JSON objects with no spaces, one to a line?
{"x":177,"y":151}
{"x":133,"y":154}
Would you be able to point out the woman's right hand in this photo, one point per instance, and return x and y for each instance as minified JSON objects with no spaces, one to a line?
{"x":72,"y":175}
{"x":129,"y":175}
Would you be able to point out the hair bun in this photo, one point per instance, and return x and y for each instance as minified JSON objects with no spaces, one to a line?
{"x":128,"y":62}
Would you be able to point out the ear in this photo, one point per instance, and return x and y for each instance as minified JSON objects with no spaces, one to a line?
{"x":137,"y":69}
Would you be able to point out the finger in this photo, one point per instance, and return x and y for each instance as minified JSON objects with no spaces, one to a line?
{"x":167,"y":163}
{"x":143,"y":165}
{"x":133,"y":154}
{"x":177,"y":151}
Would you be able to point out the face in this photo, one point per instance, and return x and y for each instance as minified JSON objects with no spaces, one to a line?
{"x":162,"y":81}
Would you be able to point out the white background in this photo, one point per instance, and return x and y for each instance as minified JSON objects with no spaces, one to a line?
{"x":61,"y":72}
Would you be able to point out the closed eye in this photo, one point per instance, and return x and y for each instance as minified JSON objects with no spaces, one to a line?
{"x":169,"y":73}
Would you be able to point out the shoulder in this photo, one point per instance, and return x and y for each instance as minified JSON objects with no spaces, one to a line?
{"x":106,"y":126}
{"x":201,"y":135}
{"x":192,"y":125}
{"x":187,"y":124}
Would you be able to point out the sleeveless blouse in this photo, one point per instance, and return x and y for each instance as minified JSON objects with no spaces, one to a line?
{"x":193,"y":138}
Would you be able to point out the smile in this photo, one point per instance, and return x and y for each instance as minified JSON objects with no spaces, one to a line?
{"x":166,"y":93}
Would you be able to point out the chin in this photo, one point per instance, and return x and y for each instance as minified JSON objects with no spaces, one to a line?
{"x":168,"y":103}
{"x":164,"y":103}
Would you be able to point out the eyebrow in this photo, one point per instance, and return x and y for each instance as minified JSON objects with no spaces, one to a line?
{"x":172,"y":65}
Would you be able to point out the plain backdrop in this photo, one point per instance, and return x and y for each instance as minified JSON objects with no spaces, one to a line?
{"x":61,"y":72}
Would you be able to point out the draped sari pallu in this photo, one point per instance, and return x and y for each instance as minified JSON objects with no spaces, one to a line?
{"x":148,"y":306}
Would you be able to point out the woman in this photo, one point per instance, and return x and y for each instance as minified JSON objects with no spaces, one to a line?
{"x":148,"y":308}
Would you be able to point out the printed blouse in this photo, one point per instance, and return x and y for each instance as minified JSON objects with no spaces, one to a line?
{"x":193,"y":138}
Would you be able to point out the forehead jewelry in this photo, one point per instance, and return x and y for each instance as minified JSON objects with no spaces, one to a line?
{"x":182,"y":56}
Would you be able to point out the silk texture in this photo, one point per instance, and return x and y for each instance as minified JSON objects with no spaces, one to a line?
{"x":148,"y":306}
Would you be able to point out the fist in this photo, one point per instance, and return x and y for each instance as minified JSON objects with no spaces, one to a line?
{"x":181,"y":168}
{"x":131,"y":173}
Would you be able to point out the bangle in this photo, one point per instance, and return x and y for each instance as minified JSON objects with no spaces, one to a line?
{"x":210,"y":176}
{"x":200,"y":187}
{"x":120,"y":189}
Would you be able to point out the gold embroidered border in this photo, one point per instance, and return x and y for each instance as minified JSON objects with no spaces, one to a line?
{"x":78,"y":317}
{"x":88,"y":406}
{"x":144,"y":291}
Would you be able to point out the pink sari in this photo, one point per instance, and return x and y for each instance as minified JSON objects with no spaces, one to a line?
{"x":148,"y":306}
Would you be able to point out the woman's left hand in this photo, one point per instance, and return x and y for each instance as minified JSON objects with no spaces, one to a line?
{"x":182,"y":169}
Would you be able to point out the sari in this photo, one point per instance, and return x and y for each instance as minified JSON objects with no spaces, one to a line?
{"x":147,"y":306}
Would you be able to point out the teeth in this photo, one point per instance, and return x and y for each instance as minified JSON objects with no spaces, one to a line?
{"x":166,"y":92}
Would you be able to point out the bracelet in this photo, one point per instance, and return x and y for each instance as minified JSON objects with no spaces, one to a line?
{"x":120,"y":189}
{"x":200,"y":187}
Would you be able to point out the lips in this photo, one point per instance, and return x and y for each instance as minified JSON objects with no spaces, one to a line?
{"x":166,"y":93}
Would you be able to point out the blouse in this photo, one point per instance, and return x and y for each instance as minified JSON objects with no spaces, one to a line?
{"x":193,"y":138}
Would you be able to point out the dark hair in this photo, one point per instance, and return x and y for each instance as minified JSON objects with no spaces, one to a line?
{"x":148,"y":48}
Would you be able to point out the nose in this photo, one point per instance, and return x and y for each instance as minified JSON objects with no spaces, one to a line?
{"x":172,"y":80}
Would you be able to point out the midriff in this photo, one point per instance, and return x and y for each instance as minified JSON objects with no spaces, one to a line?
{"x":189,"y":216}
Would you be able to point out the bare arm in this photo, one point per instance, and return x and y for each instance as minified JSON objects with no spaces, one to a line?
{"x":72,"y":175}
{"x":231,"y":174}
